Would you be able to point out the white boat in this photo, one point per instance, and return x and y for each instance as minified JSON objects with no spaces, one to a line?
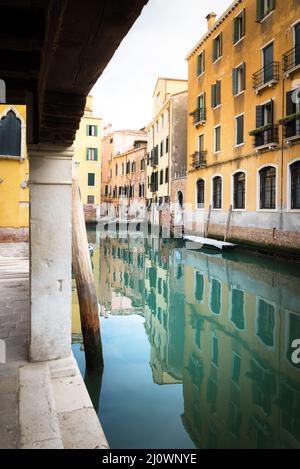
{"x":195,"y":243}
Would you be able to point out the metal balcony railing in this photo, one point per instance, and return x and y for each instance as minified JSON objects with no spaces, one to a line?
{"x":267,"y":136}
{"x":199,"y":116}
{"x":291,"y":59}
{"x":291,"y":127}
{"x":199,"y":159}
{"x":266,"y":76}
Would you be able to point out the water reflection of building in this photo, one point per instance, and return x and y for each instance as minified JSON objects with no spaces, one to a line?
{"x":122,"y":276}
{"x":221,"y":327}
{"x":240,"y":386}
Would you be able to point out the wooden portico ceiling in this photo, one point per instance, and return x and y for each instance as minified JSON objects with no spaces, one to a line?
{"x":53,"y":51}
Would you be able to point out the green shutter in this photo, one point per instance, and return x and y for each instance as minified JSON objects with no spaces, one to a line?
{"x":243,"y":76}
{"x":235,"y":81}
{"x":272,"y":5}
{"x":87,"y":130}
{"x":235,"y":30}
{"x":96,"y":130}
{"x":259,"y":10}
{"x":244,"y":22}
{"x":203,"y":62}
{"x":218,"y":92}
{"x":214,"y":50}
{"x":87,"y":154}
{"x":96,"y":154}
{"x":221,"y":44}
{"x":198,"y":64}
{"x":290,"y":106}
{"x":213,"y":96}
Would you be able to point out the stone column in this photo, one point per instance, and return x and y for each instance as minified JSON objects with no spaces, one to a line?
{"x":50,"y":251}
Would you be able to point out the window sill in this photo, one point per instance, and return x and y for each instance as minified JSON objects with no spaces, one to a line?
{"x":217,"y":209}
{"x":293,"y":210}
{"x":268,"y":84}
{"x":239,"y":145}
{"x":267,"y":210}
{"x":268,"y":15}
{"x":239,"y":41}
{"x":201,"y":74}
{"x":239,"y":210}
{"x":240,"y":93}
{"x":217,"y":107}
{"x":11,"y":157}
{"x":218,"y":60}
{"x":216,"y":153}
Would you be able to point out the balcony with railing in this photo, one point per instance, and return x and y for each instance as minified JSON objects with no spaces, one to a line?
{"x":266,"y":77}
{"x":266,"y":137}
{"x":199,"y":159}
{"x":291,"y":60}
{"x":291,"y":127}
{"x":199,"y":116}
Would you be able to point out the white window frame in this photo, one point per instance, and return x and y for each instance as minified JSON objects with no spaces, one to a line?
{"x":212,"y":192}
{"x":258,"y":209}
{"x":238,"y":67}
{"x":200,"y":53}
{"x":219,"y":58}
{"x":232,"y":190}
{"x":196,"y":194}
{"x":215,"y":140}
{"x":289,"y":187}
{"x":237,"y":145}
{"x":243,"y":37}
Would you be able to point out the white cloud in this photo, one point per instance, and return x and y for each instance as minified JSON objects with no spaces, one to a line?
{"x":156,"y":46}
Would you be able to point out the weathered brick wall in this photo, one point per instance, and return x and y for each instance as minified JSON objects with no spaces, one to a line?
{"x":14,"y":235}
{"x":258,"y":236}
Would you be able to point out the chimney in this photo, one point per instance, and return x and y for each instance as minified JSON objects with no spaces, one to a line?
{"x":211,"y":19}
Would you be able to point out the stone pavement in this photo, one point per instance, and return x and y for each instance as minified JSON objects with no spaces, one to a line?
{"x":14,"y":332}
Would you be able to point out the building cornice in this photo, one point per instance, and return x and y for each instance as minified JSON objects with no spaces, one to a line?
{"x":214,"y":28}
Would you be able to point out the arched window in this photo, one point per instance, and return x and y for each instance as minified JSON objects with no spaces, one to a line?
{"x":217,"y":192}
{"x":295,"y":185}
{"x":239,"y":189}
{"x":268,"y":188}
{"x":133,"y":167}
{"x":180,"y":198}
{"x":10,"y":135}
{"x":200,"y":193}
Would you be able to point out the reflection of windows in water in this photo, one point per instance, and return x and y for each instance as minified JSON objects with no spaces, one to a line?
{"x":153,"y":277}
{"x":212,"y":393}
{"x":212,"y":442}
{"x":198,"y":332}
{"x":165,"y":290}
{"x":261,"y":433}
{"x":195,"y":368}
{"x":141,"y":286}
{"x":238,"y":308}
{"x":234,"y":419}
{"x":179,"y":272}
{"x":266,"y":322}
{"x":159,"y":286}
{"x":263,"y":387}
{"x":165,"y":320}
{"x":236,"y":369}
{"x":159,"y":316}
{"x":199,"y":286}
{"x":215,"y":350}
{"x":126,"y":279}
{"x":215,"y":297}
{"x":289,"y":403}
{"x":132,"y":283}
{"x":293,"y":333}
{"x":114,"y":276}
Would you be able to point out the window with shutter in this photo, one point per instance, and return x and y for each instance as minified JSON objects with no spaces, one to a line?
{"x":238,"y":79}
{"x":263,"y":8}
{"x":217,"y":47}
{"x":268,"y":188}
{"x":239,"y":27}
{"x":239,"y":130}
{"x":295,"y":185}
{"x":217,"y":192}
{"x":10,"y":135}
{"x":217,"y":139}
{"x":167,"y":176}
{"x":201,"y":63}
{"x":239,"y":191}
{"x":200,"y":194}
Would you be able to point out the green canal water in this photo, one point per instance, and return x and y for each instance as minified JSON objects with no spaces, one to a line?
{"x":197,"y":347}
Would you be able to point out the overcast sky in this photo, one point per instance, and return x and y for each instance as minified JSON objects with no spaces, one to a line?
{"x":156,"y":46}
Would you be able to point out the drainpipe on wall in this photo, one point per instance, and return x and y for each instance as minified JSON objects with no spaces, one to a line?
{"x":282,"y":160}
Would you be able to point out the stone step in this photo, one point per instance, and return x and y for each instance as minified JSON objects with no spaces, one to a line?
{"x":39,"y":424}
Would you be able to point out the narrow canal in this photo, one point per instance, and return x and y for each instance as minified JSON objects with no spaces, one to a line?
{"x":197,"y":347}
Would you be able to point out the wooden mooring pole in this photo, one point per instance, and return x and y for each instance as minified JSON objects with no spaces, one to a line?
{"x":87,"y":297}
